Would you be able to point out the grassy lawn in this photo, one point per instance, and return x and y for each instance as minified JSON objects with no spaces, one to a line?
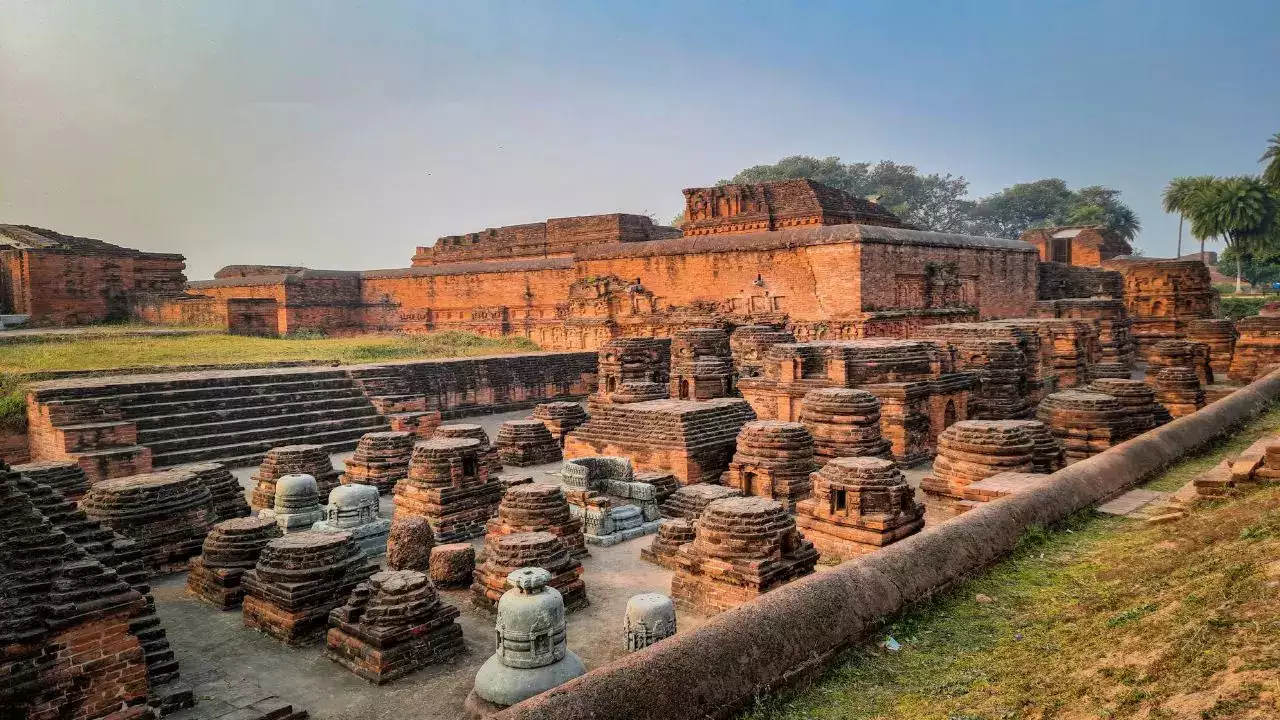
{"x":1100,"y":618}
{"x":114,"y":351}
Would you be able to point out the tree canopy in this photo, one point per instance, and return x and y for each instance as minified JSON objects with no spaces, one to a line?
{"x":940,"y":202}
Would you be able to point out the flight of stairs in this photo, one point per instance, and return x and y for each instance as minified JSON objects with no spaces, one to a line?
{"x":231,"y":417}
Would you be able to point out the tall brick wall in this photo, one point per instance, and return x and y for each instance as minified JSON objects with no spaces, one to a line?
{"x":62,"y":287}
{"x":253,"y":316}
{"x":557,"y":237}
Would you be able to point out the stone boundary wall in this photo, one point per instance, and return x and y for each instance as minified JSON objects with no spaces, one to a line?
{"x":791,"y":633}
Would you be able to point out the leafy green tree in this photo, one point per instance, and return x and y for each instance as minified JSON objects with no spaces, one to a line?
{"x":1177,"y":198}
{"x":1050,"y":202}
{"x":1240,"y":210}
{"x":1259,"y":268}
{"x":1271,"y":173}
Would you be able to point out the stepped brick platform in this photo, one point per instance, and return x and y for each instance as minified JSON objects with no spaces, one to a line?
{"x":537,"y":507}
{"x":381,"y":460}
{"x":689,"y":501}
{"x":1001,"y":367}
{"x":298,"y":580}
{"x":121,"y":555}
{"x":561,"y":418}
{"x":230,"y":550}
{"x":858,"y":505}
{"x":1047,"y":456}
{"x":672,"y":533}
{"x":66,"y":618}
{"x":693,"y":440}
{"x":231,"y":416}
{"x":1258,"y":347}
{"x":1219,"y":336}
{"x":919,"y":390}
{"x":742,"y":548}
{"x":1086,"y":422}
{"x":637,"y":392}
{"x":410,"y":543}
{"x":310,"y":460}
{"x":525,"y":443}
{"x":1115,"y":329}
{"x":1138,"y":397}
{"x":450,"y":486}
{"x":773,"y":460}
{"x":1041,"y":378}
{"x":488,"y":453}
{"x":393,"y":624}
{"x":509,"y":553}
{"x":701,"y":364}
{"x":65,"y":476}
{"x":1178,"y":390}
{"x":1068,"y":346}
{"x":631,"y":360}
{"x":1180,"y":353}
{"x":750,"y":344}
{"x":224,"y":489}
{"x":844,"y":423}
{"x":970,"y":451}
{"x":1110,"y":370}
{"x":453,"y":566}
{"x":167,"y":513}
{"x":1162,"y":296}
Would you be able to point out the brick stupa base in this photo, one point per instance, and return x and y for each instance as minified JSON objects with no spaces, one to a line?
{"x":310,"y":460}
{"x":230,"y":550}
{"x":525,"y":443}
{"x":381,"y":460}
{"x":858,"y":505}
{"x":538,"y":549}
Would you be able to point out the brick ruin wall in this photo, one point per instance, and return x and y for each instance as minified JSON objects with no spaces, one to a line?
{"x":557,"y":237}
{"x":61,"y":288}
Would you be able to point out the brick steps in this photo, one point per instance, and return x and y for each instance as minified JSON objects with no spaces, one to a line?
{"x":257,"y":434}
{"x":262,"y":407}
{"x":210,"y":381}
{"x":190,"y":433}
{"x":229,"y":403}
{"x":177,"y":395}
{"x":251,"y":453}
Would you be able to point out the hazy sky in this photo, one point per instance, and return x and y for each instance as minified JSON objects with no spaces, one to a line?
{"x":340,"y":135}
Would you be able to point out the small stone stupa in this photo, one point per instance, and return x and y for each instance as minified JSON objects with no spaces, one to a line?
{"x":354,"y":509}
{"x":297,"y":504}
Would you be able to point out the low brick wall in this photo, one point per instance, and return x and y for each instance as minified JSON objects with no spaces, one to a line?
{"x":794,"y":631}
{"x":13,"y":446}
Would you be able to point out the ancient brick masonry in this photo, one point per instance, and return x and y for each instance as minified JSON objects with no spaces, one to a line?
{"x":453,"y":566}
{"x":1162,"y":296}
{"x":773,"y":460}
{"x":672,"y":533}
{"x":1047,"y":456}
{"x":1178,"y":390}
{"x":65,"y":644}
{"x":1041,"y":377}
{"x":1068,"y":346}
{"x":410,"y":543}
{"x":1258,"y":346}
{"x":750,"y":344}
{"x":509,"y":553}
{"x":524,"y":443}
{"x":689,"y":501}
{"x":393,"y":624}
{"x":970,"y":451}
{"x":632,"y":360}
{"x":1086,"y":422}
{"x":1115,"y":329}
{"x":66,"y":477}
{"x":701,"y":364}
{"x":561,"y":418}
{"x":1138,"y":397}
{"x":167,"y":513}
{"x":299,"y":578}
{"x":488,"y":453}
{"x":536,"y":507}
{"x":742,"y":548}
{"x":858,"y":505}
{"x":844,"y":423}
{"x":121,"y":555}
{"x":381,"y":460}
{"x":310,"y":460}
{"x":1219,"y":335}
{"x":915,"y":380}
{"x":739,"y":208}
{"x":692,"y":440}
{"x":450,"y":486}
{"x":1180,"y":353}
{"x":226,"y":495}
{"x":230,"y":550}
{"x":1001,"y":367}
{"x":1058,"y":281}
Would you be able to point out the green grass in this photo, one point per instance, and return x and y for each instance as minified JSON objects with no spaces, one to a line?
{"x":59,"y":354}
{"x":1099,"y":618}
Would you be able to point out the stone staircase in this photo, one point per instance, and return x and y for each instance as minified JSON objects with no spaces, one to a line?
{"x":232,"y":417}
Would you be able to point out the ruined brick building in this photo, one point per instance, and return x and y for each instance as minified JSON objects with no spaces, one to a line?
{"x":794,"y":252}
{"x":61,"y":280}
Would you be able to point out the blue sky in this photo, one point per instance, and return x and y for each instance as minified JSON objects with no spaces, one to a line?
{"x":343,"y":134}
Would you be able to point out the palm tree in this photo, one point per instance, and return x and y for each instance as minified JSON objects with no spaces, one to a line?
{"x":1177,"y":195}
{"x":1271,"y":173}
{"x":1240,"y":210}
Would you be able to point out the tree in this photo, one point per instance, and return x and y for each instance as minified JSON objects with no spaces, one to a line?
{"x":1049,"y":202}
{"x":1262,"y":267}
{"x":1241,"y":210}
{"x":1271,"y":173}
{"x":1177,"y":197}
{"x":933,"y":202}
